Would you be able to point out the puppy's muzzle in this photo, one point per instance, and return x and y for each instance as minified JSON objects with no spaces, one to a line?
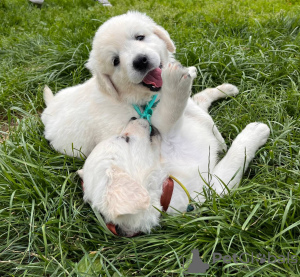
{"x":141,"y":63}
{"x":145,"y":123}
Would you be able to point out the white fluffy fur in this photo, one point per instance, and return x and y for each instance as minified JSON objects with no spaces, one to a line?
{"x":188,"y":148}
{"x":99,"y":109}
{"x":83,"y":115}
{"x":123,"y":178}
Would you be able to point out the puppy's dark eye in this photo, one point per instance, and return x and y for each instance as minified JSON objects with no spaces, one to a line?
{"x":127,"y":139}
{"x":133,"y":118}
{"x":116,"y":61}
{"x":139,"y":37}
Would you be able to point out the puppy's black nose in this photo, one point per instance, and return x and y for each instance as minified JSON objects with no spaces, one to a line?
{"x":140,"y":63}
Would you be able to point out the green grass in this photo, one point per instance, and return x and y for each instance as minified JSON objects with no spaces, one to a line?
{"x":47,"y":230}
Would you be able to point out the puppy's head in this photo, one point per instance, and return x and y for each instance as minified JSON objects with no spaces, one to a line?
{"x":123,"y":178}
{"x":127,"y":56}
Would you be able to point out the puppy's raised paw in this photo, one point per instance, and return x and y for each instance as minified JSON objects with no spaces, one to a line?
{"x":178,"y":79}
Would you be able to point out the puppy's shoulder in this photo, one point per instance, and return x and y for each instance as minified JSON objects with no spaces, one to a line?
{"x":67,"y":94}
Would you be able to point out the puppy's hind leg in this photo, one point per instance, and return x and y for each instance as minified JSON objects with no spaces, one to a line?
{"x":231,"y":168}
{"x":205,"y":98}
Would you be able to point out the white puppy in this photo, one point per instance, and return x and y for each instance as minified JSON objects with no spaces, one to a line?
{"x":126,"y":60}
{"x":123,"y":176}
{"x":131,"y":60}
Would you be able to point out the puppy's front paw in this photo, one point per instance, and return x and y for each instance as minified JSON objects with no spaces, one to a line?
{"x":178,"y":79}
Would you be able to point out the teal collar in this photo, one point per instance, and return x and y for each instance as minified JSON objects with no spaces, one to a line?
{"x":147,"y":109}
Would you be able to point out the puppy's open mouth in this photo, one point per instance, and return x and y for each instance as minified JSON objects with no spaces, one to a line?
{"x":153,"y":79}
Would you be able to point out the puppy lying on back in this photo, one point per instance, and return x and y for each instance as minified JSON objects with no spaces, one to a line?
{"x":124,"y":175}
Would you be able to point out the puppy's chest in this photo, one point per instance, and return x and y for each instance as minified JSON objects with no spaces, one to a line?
{"x":111,"y":119}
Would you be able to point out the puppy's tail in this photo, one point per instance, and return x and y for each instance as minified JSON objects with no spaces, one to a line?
{"x":48,"y":95}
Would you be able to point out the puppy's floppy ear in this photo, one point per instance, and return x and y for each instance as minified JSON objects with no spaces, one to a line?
{"x":164,"y":35}
{"x":104,"y":81}
{"x":106,"y":85}
{"x":125,"y":195}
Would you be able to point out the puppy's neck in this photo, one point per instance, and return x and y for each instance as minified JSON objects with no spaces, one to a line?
{"x":140,"y":99}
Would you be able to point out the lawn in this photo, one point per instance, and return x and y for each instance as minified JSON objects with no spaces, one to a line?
{"x":45,"y":227}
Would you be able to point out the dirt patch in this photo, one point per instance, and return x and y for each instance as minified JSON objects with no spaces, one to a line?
{"x":4,"y":131}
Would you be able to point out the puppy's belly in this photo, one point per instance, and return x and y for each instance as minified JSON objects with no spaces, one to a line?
{"x":190,"y":178}
{"x":189,"y":154}
{"x":193,"y":145}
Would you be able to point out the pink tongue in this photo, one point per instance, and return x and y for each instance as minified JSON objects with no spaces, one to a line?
{"x":154,"y":78}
